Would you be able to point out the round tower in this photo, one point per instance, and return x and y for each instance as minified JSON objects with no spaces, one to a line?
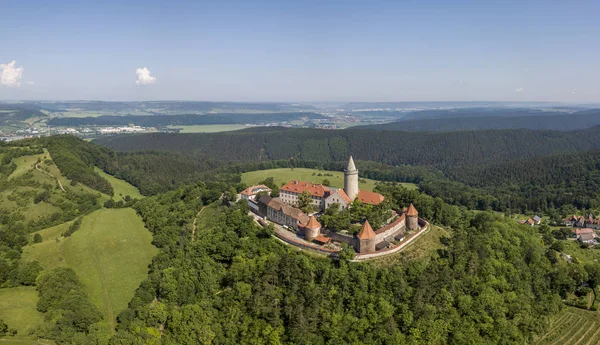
{"x":312,"y":229}
{"x":412,"y":218}
{"x":351,"y":180}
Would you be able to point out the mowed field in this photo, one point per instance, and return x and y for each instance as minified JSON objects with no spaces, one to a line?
{"x":207,"y":128}
{"x":121,"y":187}
{"x":573,"y":327}
{"x":110,"y":253}
{"x":285,"y":175}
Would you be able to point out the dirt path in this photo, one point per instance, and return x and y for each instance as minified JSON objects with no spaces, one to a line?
{"x":49,"y":174}
{"x":194,"y":225}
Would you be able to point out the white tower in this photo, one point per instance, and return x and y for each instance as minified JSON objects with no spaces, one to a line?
{"x":351,"y":180}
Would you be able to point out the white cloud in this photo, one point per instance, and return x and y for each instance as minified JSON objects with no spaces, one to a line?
{"x":144,"y":77}
{"x":573,"y":92}
{"x":10,"y":75}
{"x":519,"y":89}
{"x":31,"y":82}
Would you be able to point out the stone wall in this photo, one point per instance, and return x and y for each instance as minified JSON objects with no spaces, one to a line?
{"x":390,"y":231}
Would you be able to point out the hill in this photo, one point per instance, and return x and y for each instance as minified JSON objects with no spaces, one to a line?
{"x":470,"y":121}
{"x":110,"y":253}
{"x":182,"y":120}
{"x":394,"y":148}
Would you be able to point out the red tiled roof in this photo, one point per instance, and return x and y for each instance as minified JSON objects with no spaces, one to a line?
{"x":366,"y":233}
{"x":251,"y":190}
{"x":530,"y":221}
{"x":322,"y":239}
{"x":293,"y":212}
{"x":313,"y":223}
{"x":583,"y":231}
{"x":412,"y":211}
{"x":314,"y":189}
{"x":344,"y":196}
{"x":367,"y":197}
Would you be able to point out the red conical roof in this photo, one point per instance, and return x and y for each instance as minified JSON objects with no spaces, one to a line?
{"x":366,"y":233}
{"x":412,"y":211}
{"x":313,"y":223}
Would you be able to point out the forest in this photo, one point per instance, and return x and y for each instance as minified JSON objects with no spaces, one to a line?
{"x":225,"y":280}
{"x":545,"y":121}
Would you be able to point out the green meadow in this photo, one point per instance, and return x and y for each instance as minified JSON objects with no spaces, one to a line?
{"x":18,"y":309}
{"x":110,"y":254}
{"x":284,"y":175}
{"x":121,"y":187}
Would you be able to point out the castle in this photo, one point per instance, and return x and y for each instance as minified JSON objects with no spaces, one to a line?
{"x":283,"y":210}
{"x":322,"y":197}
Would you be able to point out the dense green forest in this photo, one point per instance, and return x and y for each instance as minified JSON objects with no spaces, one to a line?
{"x":493,"y":282}
{"x":546,"y":121}
{"x":439,"y":150}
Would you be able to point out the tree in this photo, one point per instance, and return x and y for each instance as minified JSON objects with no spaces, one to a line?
{"x":593,"y":271}
{"x":305,"y":201}
{"x":326,"y":183}
{"x":37,"y":238}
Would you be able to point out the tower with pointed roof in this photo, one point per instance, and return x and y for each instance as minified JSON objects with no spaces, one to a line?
{"x":351,"y":180}
{"x":412,"y":218}
{"x":312,"y":229}
{"x":365,"y":240}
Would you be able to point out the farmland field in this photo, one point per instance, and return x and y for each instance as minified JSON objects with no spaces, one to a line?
{"x":111,"y":245}
{"x":573,"y":327}
{"x":284,"y":175}
{"x":207,"y":128}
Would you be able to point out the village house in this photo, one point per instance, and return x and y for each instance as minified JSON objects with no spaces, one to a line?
{"x":582,"y":222}
{"x":251,"y":192}
{"x":589,"y":238}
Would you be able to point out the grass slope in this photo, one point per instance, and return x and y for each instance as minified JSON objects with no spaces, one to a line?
{"x":284,"y":175}
{"x":424,"y":246}
{"x":573,"y":326}
{"x":110,"y":254}
{"x":25,"y":164}
{"x":18,"y":309}
{"x":122,"y":188}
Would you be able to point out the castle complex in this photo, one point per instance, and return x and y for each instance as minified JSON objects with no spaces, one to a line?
{"x":284,"y":210}
{"x":322,"y":197}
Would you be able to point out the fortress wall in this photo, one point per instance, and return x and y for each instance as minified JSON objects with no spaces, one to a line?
{"x":339,"y":237}
{"x":390,"y":231}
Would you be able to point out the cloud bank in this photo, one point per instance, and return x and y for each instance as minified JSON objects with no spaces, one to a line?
{"x":10,"y":75}
{"x":519,"y":89}
{"x":144,"y":77}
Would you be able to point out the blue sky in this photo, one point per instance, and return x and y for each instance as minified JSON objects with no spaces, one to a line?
{"x":301,"y":50}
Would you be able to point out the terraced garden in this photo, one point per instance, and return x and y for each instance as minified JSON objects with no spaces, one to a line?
{"x":573,"y":327}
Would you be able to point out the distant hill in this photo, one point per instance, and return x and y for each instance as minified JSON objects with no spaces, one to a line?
{"x":181,"y":120}
{"x":470,"y":120}
{"x":390,"y":147}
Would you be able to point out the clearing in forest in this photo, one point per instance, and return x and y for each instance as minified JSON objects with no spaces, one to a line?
{"x":573,"y":327}
{"x":110,"y":254}
{"x":121,"y":188}
{"x":285,"y":175}
{"x":18,"y":309}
